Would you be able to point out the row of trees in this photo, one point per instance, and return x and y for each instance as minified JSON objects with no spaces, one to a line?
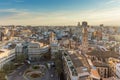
{"x":2,"y":75}
{"x":20,"y":58}
{"x":58,"y":63}
{"x":9,"y":67}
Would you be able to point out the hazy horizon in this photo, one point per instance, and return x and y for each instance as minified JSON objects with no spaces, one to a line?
{"x":59,"y":12}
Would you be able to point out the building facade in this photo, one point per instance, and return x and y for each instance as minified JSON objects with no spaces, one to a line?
{"x":6,"y":56}
{"x":35,"y":51}
{"x":114,"y":64}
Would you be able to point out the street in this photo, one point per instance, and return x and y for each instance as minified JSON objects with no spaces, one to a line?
{"x":18,"y":73}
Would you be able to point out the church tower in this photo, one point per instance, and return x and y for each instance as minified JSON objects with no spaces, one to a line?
{"x":84,"y":36}
{"x":52,"y":38}
{"x":53,"y":45}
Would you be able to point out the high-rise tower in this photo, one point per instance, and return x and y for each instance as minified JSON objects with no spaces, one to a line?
{"x":52,"y":37}
{"x":1,"y":36}
{"x":78,"y":24}
{"x":84,"y":36}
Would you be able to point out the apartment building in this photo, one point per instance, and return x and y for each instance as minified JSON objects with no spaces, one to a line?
{"x":6,"y":56}
{"x":103,"y":69}
{"x":35,"y":51}
{"x":114,"y":64}
{"x":73,"y":67}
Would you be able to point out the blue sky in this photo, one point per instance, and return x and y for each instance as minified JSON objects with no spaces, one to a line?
{"x":59,"y":12}
{"x":49,"y":5}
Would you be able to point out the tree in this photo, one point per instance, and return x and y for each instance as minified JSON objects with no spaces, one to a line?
{"x":11,"y":66}
{"x":7,"y":68}
{"x":20,"y":58}
{"x":47,"y":56}
{"x":58,"y":66}
{"x":58,"y":63}
{"x":2,"y":75}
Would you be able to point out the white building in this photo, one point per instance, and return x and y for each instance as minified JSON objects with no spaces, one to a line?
{"x":6,"y":56}
{"x":35,"y":51}
{"x":19,"y":49}
{"x":73,"y":67}
{"x":53,"y":44}
{"x":115,"y":66}
{"x":54,"y":49}
{"x":118,"y":70}
{"x":105,"y":37}
{"x":7,"y":52}
{"x":119,"y":50}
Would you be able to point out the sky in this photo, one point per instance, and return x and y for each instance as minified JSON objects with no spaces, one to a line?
{"x":59,"y":12}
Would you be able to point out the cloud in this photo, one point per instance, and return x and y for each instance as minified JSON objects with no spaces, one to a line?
{"x":8,"y":10}
{"x":113,"y":2}
{"x":108,"y":16}
{"x":110,"y":2}
{"x":8,"y":13}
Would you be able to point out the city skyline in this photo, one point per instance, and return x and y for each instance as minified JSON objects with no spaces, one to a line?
{"x":59,"y":12}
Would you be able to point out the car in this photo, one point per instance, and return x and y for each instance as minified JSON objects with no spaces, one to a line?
{"x":51,"y":75}
{"x":20,"y":73}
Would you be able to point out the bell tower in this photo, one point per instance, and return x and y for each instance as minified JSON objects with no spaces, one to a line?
{"x":84,"y":36}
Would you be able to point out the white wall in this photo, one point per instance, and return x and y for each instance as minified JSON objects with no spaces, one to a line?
{"x":118,"y":69}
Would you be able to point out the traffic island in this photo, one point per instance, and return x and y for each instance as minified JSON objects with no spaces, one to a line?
{"x":35,"y":72}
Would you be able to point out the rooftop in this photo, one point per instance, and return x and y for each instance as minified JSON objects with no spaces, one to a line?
{"x":103,"y":54}
{"x":95,"y":74}
{"x":76,"y":60}
{"x":100,"y":64}
{"x":70,"y":64}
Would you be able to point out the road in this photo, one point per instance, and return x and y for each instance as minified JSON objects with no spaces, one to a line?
{"x":18,"y":73}
{"x":48,"y":75}
{"x":49,"y":72}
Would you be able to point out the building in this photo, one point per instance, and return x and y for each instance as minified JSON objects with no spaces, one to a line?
{"x":73,"y":67}
{"x":101,"y":55}
{"x":19,"y":49}
{"x":1,"y":36}
{"x":118,"y":70}
{"x":53,"y":44}
{"x":32,"y":50}
{"x":114,"y":64}
{"x":105,"y":37}
{"x":54,"y":49}
{"x":103,"y":69}
{"x":85,"y":36}
{"x":52,"y":37}
{"x":78,"y":24}
{"x":99,"y":33}
{"x":6,"y":55}
{"x":35,"y":51}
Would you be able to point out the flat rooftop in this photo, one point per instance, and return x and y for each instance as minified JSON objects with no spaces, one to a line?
{"x":76,"y":59}
{"x":100,"y":64}
{"x":78,"y":64}
{"x":103,"y":54}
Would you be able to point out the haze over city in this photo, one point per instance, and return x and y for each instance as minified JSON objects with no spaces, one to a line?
{"x":59,"y":39}
{"x":59,"y":12}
